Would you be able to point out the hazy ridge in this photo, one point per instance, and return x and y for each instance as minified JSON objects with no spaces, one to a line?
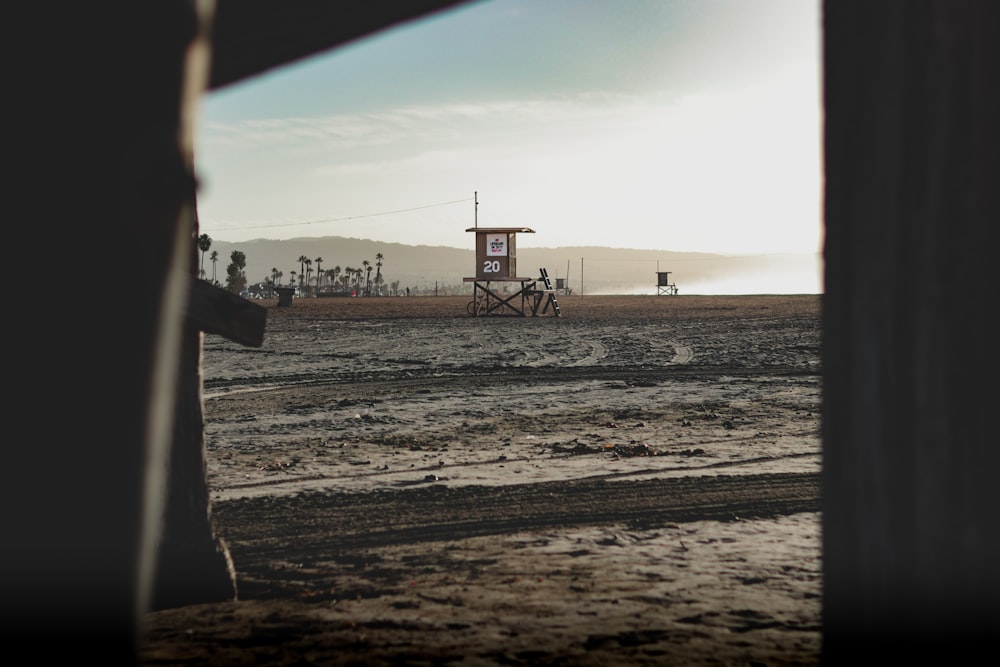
{"x":604,"y":270}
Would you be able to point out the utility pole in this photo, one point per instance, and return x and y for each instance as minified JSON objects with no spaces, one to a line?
{"x":475,"y":197}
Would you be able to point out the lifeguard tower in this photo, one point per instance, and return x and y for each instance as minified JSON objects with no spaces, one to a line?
{"x":497,"y":289}
{"x":663,"y":284}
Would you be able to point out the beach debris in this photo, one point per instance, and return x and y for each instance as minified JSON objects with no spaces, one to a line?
{"x":573,"y":447}
{"x":275,"y":465}
{"x":613,"y":424}
{"x":423,"y":480}
{"x":692,"y":452}
{"x":639,"y":449}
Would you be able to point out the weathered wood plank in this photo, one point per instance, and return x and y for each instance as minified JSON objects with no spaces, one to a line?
{"x":216,"y":311}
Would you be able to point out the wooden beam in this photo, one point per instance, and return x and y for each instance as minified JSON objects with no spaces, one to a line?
{"x":216,"y":311}
{"x":253,"y":36}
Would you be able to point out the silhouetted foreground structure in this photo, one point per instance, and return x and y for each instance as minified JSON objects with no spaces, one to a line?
{"x":910,"y":531}
{"x":106,"y":95}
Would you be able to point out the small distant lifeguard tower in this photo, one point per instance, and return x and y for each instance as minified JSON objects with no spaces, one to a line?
{"x":562,"y":287}
{"x":663,"y":284}
{"x":496,"y":262}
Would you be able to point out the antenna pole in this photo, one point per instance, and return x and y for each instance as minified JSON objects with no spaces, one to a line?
{"x":475,"y":196}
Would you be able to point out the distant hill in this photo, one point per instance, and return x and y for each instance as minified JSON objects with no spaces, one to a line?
{"x":604,"y":270}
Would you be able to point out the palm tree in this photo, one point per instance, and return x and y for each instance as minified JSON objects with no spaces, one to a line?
{"x":302,"y":268}
{"x":319,"y":271}
{"x":368,"y":271}
{"x":309,"y":271}
{"x":293,"y":278}
{"x":215,"y":258}
{"x":236,"y":279}
{"x":274,"y":275}
{"x":204,"y":243}
{"x":378,"y":273}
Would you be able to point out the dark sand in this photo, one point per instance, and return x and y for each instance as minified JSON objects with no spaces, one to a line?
{"x":400,"y":483}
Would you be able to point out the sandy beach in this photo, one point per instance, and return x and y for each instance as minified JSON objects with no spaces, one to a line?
{"x":633,"y":482}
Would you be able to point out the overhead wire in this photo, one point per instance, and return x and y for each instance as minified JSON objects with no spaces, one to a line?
{"x":350,"y":217}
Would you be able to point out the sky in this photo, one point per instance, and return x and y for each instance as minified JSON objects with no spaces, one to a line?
{"x":676,"y":125}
